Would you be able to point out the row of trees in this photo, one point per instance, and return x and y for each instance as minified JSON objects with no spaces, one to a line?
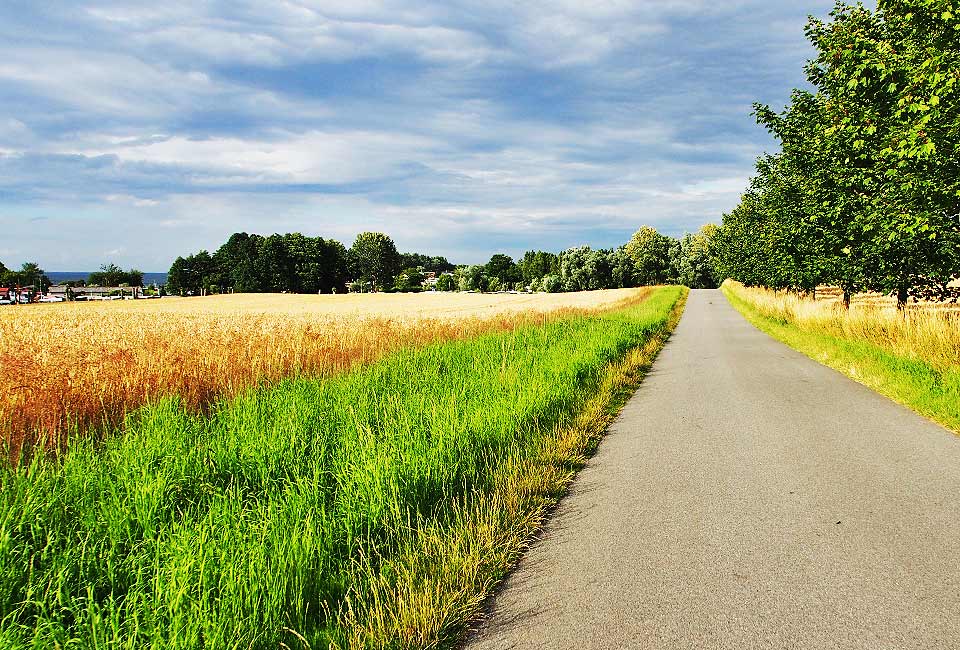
{"x":299,"y":264}
{"x":29,"y":275}
{"x":111,"y":275}
{"x":648,"y":258}
{"x":865,"y":191}
{"x":296,"y":263}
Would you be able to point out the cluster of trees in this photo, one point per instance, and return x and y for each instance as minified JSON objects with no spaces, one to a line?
{"x":296,"y":263}
{"x":111,"y":275}
{"x":865,"y":191}
{"x":29,"y":275}
{"x":648,"y":258}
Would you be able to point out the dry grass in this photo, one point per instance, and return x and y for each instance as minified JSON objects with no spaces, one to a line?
{"x":928,"y":332}
{"x":66,"y":367}
{"x":834,"y":295}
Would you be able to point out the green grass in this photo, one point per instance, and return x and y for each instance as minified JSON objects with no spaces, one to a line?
{"x":373,"y":509}
{"x":930,"y":389}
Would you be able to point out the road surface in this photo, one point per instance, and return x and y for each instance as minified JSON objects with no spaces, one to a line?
{"x":747,"y":497}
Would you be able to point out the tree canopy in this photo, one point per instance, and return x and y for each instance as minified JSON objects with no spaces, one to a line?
{"x":29,"y":275}
{"x":111,"y":275}
{"x":865,"y":191}
{"x":374,"y":259}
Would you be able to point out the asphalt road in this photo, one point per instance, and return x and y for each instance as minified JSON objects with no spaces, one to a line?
{"x":747,"y":497}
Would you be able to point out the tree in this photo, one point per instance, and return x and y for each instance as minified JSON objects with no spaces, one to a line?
{"x":30,"y":274}
{"x":446,"y":282}
{"x":692,"y":259}
{"x":865,"y":191}
{"x":536,"y":264}
{"x":374,"y":258}
{"x":650,"y":252}
{"x":502,"y":267}
{"x":190,"y":275}
{"x":327,"y":270}
{"x":472,"y":277}
{"x":409,"y":280}
{"x":275,"y":266}
{"x":621,"y":269}
{"x":236,"y":265}
{"x":111,"y":275}
{"x":435,"y":264}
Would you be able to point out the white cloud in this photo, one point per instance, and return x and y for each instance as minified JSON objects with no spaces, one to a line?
{"x":456,"y":126}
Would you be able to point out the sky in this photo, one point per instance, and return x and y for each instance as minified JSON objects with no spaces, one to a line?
{"x":132,"y":133}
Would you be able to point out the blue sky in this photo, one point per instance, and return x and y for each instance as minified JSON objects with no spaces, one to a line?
{"x":135,"y":132}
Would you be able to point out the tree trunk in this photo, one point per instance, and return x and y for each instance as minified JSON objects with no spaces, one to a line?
{"x":846,"y":299}
{"x":814,"y":294}
{"x":901,"y":298}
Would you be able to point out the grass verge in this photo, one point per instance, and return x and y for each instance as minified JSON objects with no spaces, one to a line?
{"x":374,"y":509}
{"x":910,"y":359}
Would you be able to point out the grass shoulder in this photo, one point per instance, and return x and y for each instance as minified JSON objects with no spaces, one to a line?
{"x":910,"y":359}
{"x":372,"y":509}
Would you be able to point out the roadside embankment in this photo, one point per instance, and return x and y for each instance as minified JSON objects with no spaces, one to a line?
{"x":371,"y":509}
{"x":913,"y":357}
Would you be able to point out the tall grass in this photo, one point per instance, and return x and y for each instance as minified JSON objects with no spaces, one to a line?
{"x":79,"y":367}
{"x":911,"y":356}
{"x":374,"y":508}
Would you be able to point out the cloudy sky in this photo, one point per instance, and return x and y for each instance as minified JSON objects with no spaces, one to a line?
{"x":136,"y":132}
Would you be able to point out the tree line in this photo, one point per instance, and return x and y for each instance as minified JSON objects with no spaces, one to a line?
{"x":296,"y":263}
{"x":864,"y":193}
{"x":648,"y":258}
{"x":29,"y":275}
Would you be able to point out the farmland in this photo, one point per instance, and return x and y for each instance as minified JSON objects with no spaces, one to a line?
{"x":372,"y":507}
{"x":70,"y":367}
{"x":911,"y":356}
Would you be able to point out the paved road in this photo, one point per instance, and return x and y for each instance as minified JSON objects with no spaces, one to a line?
{"x":747,"y":497}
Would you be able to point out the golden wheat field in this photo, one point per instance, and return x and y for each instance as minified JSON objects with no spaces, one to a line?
{"x":78,"y":366}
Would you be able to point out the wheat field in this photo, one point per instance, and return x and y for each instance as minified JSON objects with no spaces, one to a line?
{"x":83,"y":366}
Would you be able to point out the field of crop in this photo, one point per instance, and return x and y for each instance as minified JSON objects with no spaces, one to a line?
{"x":834,"y":295}
{"x":80,"y":366}
{"x":373,"y":508}
{"x":912,"y":357}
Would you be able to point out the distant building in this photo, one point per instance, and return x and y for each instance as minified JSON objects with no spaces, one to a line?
{"x":93,"y":293}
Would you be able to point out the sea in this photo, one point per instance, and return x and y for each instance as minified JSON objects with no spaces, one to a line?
{"x":62,"y":276}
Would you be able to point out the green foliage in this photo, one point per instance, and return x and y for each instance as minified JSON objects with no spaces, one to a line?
{"x":29,"y":275}
{"x":472,"y":278}
{"x":536,"y":264}
{"x":865,"y":193}
{"x":650,"y":252}
{"x":503,"y":269}
{"x":409,"y":280}
{"x":291,"y":263}
{"x":111,"y":275}
{"x":434,"y":263}
{"x":287,"y":508}
{"x":189,"y":275}
{"x":374,"y":259}
{"x":692,"y":259}
{"x":446,"y":282}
